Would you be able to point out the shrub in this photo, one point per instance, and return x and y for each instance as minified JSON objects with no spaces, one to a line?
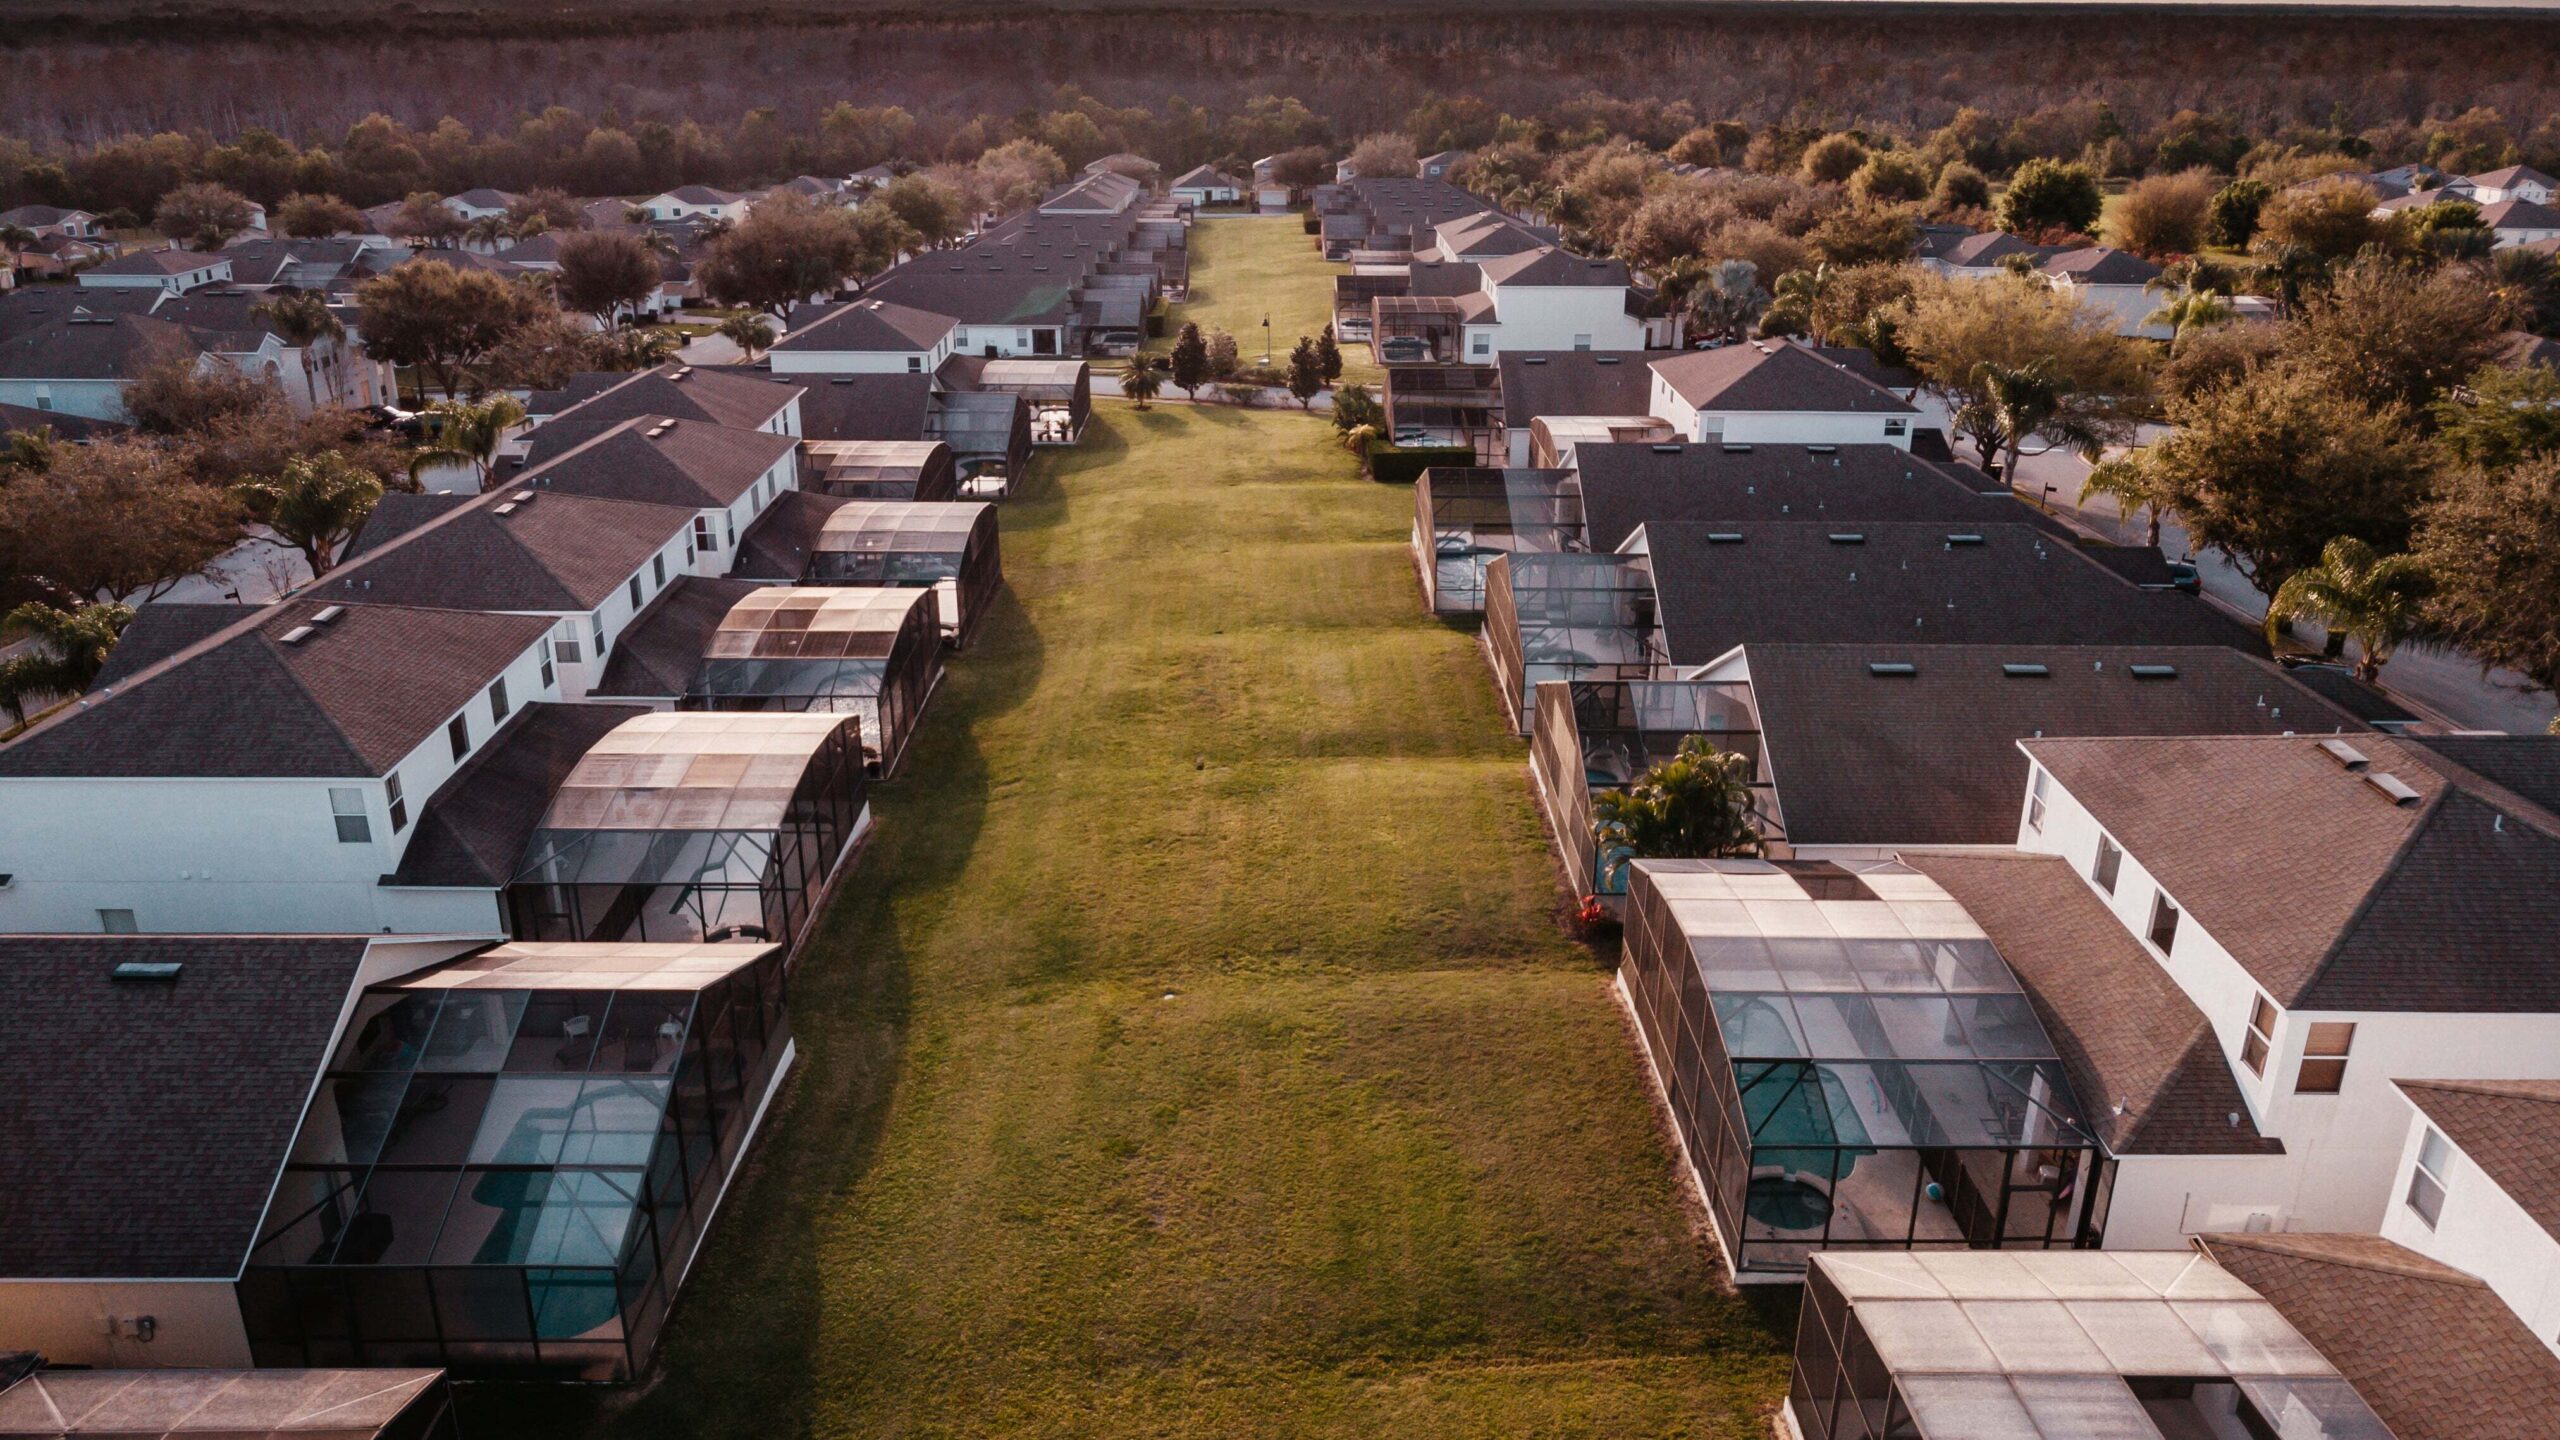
{"x":2163,"y":214}
{"x":2045,"y":195}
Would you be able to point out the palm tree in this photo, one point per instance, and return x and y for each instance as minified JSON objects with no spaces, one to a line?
{"x":304,"y":320}
{"x":753,"y":334}
{"x":467,"y":433}
{"x":14,"y":238}
{"x":2527,"y":283}
{"x":1694,"y":806}
{"x":2125,"y":482}
{"x":1141,"y":381}
{"x":1728,"y":298}
{"x":69,"y":649}
{"x":2014,"y":402}
{"x":2194,"y":310}
{"x":488,"y":230}
{"x":2290,"y":271}
{"x":1800,"y":292}
{"x":2356,"y":595}
{"x":314,"y":505}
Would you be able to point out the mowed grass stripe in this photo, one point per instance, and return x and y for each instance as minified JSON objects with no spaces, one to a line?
{"x":1383,"y":1159}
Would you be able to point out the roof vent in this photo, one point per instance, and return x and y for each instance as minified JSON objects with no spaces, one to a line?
{"x":2153,"y":672}
{"x":522,"y":497}
{"x":2393,"y":786}
{"x":1533,"y":359}
{"x":296,"y":635}
{"x":1667,"y":449}
{"x":1848,"y":537}
{"x":507,"y":509}
{"x":2347,"y":756}
{"x":162,"y":970}
{"x":1737,"y":449}
{"x":1964,"y":539}
{"x":2024,"y":671}
{"x":1605,"y":359}
{"x":1724,"y":537}
{"x":328,"y":614}
{"x":1822,"y":449}
{"x":1892,"y":668}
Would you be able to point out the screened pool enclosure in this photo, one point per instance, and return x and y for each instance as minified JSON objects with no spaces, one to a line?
{"x":882,"y":469}
{"x":950,"y":548}
{"x":1566,"y":617}
{"x":1591,"y":736}
{"x":871,"y":653}
{"x":1851,"y":1063}
{"x":510,"y":1160}
{"x":693,"y":827}
{"x":1465,"y":516}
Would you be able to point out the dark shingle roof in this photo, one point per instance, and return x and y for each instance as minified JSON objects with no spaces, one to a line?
{"x":1206,"y":177}
{"x":16,"y":418}
{"x":658,"y":656}
{"x":2432,"y":1350}
{"x":1905,"y":583}
{"x":650,"y":459}
{"x":865,"y":325}
{"x":866,"y":407}
{"x":352,"y":698}
{"x":143,"y":1122}
{"x":1553,"y":266}
{"x":562,"y":552}
{"x":114,"y":347}
{"x":162,"y":629}
{"x":2509,"y":1128}
{"x":1774,"y":375}
{"x":2529,"y":765}
{"x":741,"y":401}
{"x":2331,"y":895}
{"x":2139,"y":1052}
{"x":1573,"y":382}
{"x":472,"y":833}
{"x":2519,"y":215}
{"x":159,"y":262}
{"x":1931,"y":757}
{"x":1628,"y":485}
{"x":2102,"y":265}
{"x":776,"y":547}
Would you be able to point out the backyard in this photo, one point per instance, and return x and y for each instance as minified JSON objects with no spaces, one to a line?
{"x":1196,"y":1053}
{"x":1244,"y":267}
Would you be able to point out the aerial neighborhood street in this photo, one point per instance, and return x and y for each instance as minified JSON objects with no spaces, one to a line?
{"x":1420,"y":747}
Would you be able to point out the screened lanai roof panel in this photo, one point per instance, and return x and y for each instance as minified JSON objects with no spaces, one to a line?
{"x":564,"y":965}
{"x":873,"y":460}
{"x":814,"y":623}
{"x":900,"y":525}
{"x":690,"y":771}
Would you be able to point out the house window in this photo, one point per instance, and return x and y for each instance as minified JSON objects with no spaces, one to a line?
{"x":702,"y":533}
{"x":635,"y":596}
{"x":2426,"y":1181}
{"x":346,"y":803}
{"x":2324,"y":1058}
{"x":658,"y":570}
{"x":1581,"y":342}
{"x":1897,"y":427}
{"x":544,"y":651}
{"x":1479,"y":344}
{"x":2261,"y":1036}
{"x":915,"y":364}
{"x":2110,"y":861}
{"x":458,"y":734}
{"x":399,"y":802}
{"x":115,"y":922}
{"x":597,"y":620}
{"x":498,"y":702}
{"x":2036,"y":785}
{"x":2164,"y":921}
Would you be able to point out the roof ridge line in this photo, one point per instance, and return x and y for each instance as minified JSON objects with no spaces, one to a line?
{"x":2484,"y":1087}
{"x":2373,"y":892}
{"x":2434,"y":1271}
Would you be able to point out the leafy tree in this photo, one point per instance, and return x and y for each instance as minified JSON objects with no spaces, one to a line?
{"x":606,"y":273}
{"x":203,"y":214}
{"x":752,"y":334}
{"x":2331,"y":218}
{"x":2047,"y":195}
{"x":545,"y":208}
{"x":934,"y":211}
{"x":2491,"y":540}
{"x":1329,"y":353}
{"x":1727,"y":299}
{"x":1960,"y":187}
{"x":1306,"y":372}
{"x":1695,"y":805}
{"x":316,"y":217}
{"x":2501,"y":417}
{"x":2527,"y":284}
{"x":2015,"y":360}
{"x":423,"y":219}
{"x":112,"y":520}
{"x":1225,"y":359}
{"x":1141,"y":381}
{"x":176,"y":394}
{"x":786,"y":251}
{"x":2013,"y":404}
{"x":1354,"y":408}
{"x":1832,"y":159}
{"x":2448,"y":229}
{"x":442,"y":320}
{"x":2356,"y":594}
{"x":1890,"y":177}
{"x":315,"y":505}
{"x":1190,"y":360}
{"x":2389,"y":336}
{"x":306,"y":322}
{"x":2163,"y":215}
{"x":1864,"y":235}
{"x":2231,"y":220}
{"x":66,"y":650}
{"x":2272,"y":466}
{"x":1384,"y":155}
{"x":467,"y":433}
{"x":27,"y":450}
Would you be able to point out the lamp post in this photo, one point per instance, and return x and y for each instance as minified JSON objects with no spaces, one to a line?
{"x":1266,"y":337}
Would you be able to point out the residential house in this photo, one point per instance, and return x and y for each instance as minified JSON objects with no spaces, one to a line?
{"x":54,"y":220}
{"x":1613,"y":387}
{"x":481,"y":203}
{"x":1979,"y":255}
{"x":727,"y":476}
{"x":1778,"y":393}
{"x":1103,"y":192}
{"x":173,"y":271}
{"x":697,"y":202}
{"x":2117,"y":282}
{"x":2514,"y":182}
{"x":1443,"y":164}
{"x":2476,"y":1185}
{"x":2520,"y":221}
{"x":327,"y":371}
{"x":1208,"y":185}
{"x":866,"y":336}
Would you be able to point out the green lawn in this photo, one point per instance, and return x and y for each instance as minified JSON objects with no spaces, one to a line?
{"x":1244,"y":267}
{"x":1196,"y":1052}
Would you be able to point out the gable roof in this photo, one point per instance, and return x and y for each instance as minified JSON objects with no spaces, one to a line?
{"x":2508,"y":177}
{"x":1931,"y":757}
{"x":2139,"y":1053}
{"x":2519,"y":215}
{"x":159,"y":262}
{"x":2432,"y":1350}
{"x":1904,"y":583}
{"x":162,"y":629}
{"x":481,"y":197}
{"x":700,"y":195}
{"x":563,"y":552}
{"x":146,"y":1120}
{"x":2509,"y":1128}
{"x":867,"y":325}
{"x":1573,"y":382}
{"x":1987,"y":249}
{"x":1553,"y":266}
{"x":16,"y":418}
{"x":864,"y":407}
{"x":654,"y":459}
{"x":2528,"y":765}
{"x":660,"y":655}
{"x":2102,"y":265}
{"x":777,"y":546}
{"x":1766,"y":375}
{"x":2331,"y":895}
{"x":741,"y":401}
{"x":1206,"y":177}
{"x":351,"y":698}
{"x":95,"y":347}
{"x":1625,"y":486}
{"x":472,"y":833}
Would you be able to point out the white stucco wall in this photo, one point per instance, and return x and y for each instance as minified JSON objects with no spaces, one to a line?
{"x":2480,"y":1229}
{"x":1563,"y":317}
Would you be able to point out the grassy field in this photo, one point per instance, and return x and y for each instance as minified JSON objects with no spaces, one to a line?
{"x":1197,"y":1053}
{"x":1244,"y":267}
